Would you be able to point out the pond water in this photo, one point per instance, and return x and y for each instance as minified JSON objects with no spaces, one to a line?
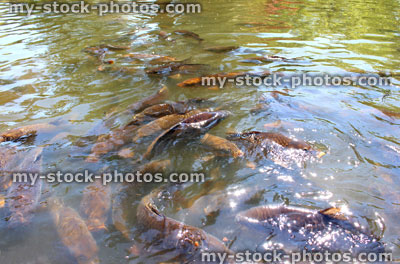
{"x":45,"y":77}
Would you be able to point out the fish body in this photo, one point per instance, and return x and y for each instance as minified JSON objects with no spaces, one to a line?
{"x":180,"y":241}
{"x":257,"y":137}
{"x":221,"y":48}
{"x":74,"y":233}
{"x":23,"y":197}
{"x":25,"y":131}
{"x":110,"y":142}
{"x":188,"y":34}
{"x":95,"y":205}
{"x":156,"y":98}
{"x":194,"y":125}
{"x":314,"y":231}
{"x":221,"y":144}
{"x":174,"y":67}
{"x":163,"y":123}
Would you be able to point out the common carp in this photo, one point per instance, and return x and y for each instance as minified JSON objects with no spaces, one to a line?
{"x":178,"y":241}
{"x":164,"y":35}
{"x":163,"y":123}
{"x":257,"y":137}
{"x":119,"y":217}
{"x":189,"y":34}
{"x":110,"y":142}
{"x":95,"y":50}
{"x":74,"y":233}
{"x":160,"y":110}
{"x":221,"y":48}
{"x":193,"y":125}
{"x":25,"y":131}
{"x":23,"y":197}
{"x":222,"y":145}
{"x":155,"y":166}
{"x":315,"y":231}
{"x":95,"y":205}
{"x":156,"y":98}
{"x":8,"y":157}
{"x":282,"y":150}
{"x":175,"y":67}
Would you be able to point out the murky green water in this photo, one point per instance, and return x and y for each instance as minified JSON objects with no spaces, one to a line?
{"x":45,"y":76}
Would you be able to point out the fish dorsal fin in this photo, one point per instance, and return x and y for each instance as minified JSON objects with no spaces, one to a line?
{"x":333,"y":212}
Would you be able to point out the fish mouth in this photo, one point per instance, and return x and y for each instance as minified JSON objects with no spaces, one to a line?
{"x":205,"y":120}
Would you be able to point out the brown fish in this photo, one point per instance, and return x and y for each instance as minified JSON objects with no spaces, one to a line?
{"x":118,"y":214}
{"x":175,"y":67}
{"x":182,"y":242}
{"x":8,"y":158}
{"x":165,"y":35}
{"x":23,"y":196}
{"x":160,"y":110}
{"x":255,"y":136}
{"x":163,"y":123}
{"x":139,"y":56}
{"x":114,"y":47}
{"x":118,"y":69}
{"x":25,"y":131}
{"x":188,"y":34}
{"x":157,"y":111}
{"x":95,"y":205}
{"x":154,"y":99}
{"x":74,"y":233}
{"x":390,"y":113}
{"x":192,"y":125}
{"x":221,"y":144}
{"x":110,"y":142}
{"x":162,"y":60}
{"x":221,"y":48}
{"x":316,"y":231}
{"x":155,"y":166}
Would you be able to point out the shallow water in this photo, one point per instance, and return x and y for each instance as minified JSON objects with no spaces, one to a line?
{"x":45,"y":77}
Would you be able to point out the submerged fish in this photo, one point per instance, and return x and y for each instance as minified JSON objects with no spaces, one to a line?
{"x":118,"y":214}
{"x":193,"y":125}
{"x":257,"y":137}
{"x":74,"y":233}
{"x":282,"y":150}
{"x":110,"y":142}
{"x":95,"y":205}
{"x":165,"y":35}
{"x":8,"y":159}
{"x":154,"y":99}
{"x":23,"y":196}
{"x":221,"y":48}
{"x":314,"y":231}
{"x":155,"y":166}
{"x":175,"y":67}
{"x":160,"y":110}
{"x":163,"y":123}
{"x":222,"y":145}
{"x":189,"y":34}
{"x":25,"y":131}
{"x":178,"y":241}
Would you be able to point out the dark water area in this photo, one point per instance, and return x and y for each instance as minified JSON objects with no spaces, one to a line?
{"x":45,"y":77}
